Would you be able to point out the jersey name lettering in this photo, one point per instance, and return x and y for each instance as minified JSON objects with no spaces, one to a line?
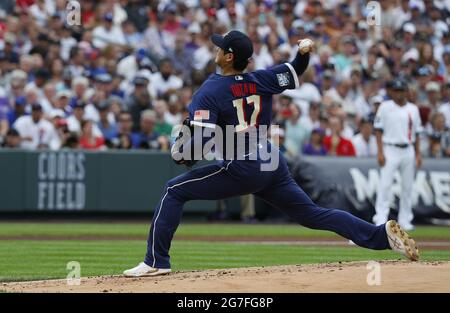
{"x":243,"y":89}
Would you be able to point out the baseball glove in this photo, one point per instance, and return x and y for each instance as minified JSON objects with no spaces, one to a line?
{"x":186,"y":132}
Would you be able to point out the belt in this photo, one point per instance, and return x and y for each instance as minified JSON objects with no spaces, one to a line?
{"x":398,"y":145}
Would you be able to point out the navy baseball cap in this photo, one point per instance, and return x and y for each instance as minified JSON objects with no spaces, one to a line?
{"x":234,"y":42}
{"x":79,"y":104}
{"x":21,"y":101}
{"x":36,"y":107}
{"x":399,"y":84}
{"x":108,"y":17}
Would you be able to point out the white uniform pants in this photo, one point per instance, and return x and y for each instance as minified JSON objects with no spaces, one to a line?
{"x":403,"y":160}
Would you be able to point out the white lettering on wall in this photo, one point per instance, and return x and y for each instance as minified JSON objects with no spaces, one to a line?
{"x":61,"y":183}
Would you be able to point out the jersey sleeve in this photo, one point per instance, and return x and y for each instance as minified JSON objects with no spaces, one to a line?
{"x":277,"y":79}
{"x":379,"y":121}
{"x":203,"y":110}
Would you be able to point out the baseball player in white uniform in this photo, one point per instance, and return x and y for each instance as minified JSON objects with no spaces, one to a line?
{"x":397,"y":124}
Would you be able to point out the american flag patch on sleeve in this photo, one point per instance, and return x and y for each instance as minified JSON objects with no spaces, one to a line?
{"x":201,"y":115}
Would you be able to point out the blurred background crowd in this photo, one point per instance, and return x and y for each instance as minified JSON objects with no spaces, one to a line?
{"x":125,"y":77}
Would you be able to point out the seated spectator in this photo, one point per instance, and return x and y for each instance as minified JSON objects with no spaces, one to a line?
{"x":62,"y":100}
{"x":315,"y":145}
{"x":296,"y":133}
{"x":438,"y":136}
{"x":165,"y":81}
{"x":139,"y":101}
{"x":124,"y":142}
{"x":12,"y":139}
{"x":36,"y":132}
{"x":107,"y":33}
{"x":433,"y":91}
{"x":173,"y":116}
{"x":161,"y":126}
{"x":17,"y":111}
{"x":56,"y":116}
{"x":87,"y":139}
{"x":108,"y":129}
{"x":311,"y":121}
{"x":124,"y":131}
{"x":148,"y":138}
{"x":365,"y":143}
{"x":335,"y":144}
{"x":434,"y":146}
{"x":277,"y":138}
{"x":78,"y":115}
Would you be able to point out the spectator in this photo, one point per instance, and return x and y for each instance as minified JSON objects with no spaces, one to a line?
{"x":434,"y":146}
{"x":148,"y":138}
{"x":161,"y":126}
{"x":365,"y":143}
{"x":108,"y":129}
{"x":433,"y":90}
{"x":335,"y":144}
{"x":36,"y":132}
{"x":438,"y":137}
{"x":312,"y":120}
{"x":74,"y":120}
{"x":60,"y":124}
{"x":108,"y":33}
{"x":315,"y":145}
{"x":18,"y":110}
{"x":277,"y":138}
{"x":344,"y":59}
{"x":180,"y":58}
{"x":12,"y":139}
{"x":129,"y":66}
{"x":56,"y":65}
{"x":296,"y":133}
{"x":61,"y":101}
{"x":139,"y":101}
{"x":123,"y":140}
{"x":165,"y":81}
{"x":88,"y":140}
{"x":173,"y":116}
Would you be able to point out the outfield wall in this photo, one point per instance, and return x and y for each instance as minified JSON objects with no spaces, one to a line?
{"x":133,"y":181}
{"x":119,"y":181}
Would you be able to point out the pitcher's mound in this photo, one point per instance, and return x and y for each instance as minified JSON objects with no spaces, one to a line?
{"x":394,"y":276}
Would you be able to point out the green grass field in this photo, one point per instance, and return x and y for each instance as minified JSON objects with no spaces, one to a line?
{"x":25,"y":259}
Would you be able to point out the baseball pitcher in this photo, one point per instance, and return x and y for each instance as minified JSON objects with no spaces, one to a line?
{"x":244,"y":101}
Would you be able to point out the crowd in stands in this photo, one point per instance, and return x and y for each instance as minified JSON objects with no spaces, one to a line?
{"x":125,"y":76}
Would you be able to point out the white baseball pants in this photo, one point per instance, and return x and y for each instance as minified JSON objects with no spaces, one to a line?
{"x":403,"y":160}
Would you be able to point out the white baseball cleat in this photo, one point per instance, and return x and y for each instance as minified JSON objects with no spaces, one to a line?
{"x":144,"y":270}
{"x":400,"y":241}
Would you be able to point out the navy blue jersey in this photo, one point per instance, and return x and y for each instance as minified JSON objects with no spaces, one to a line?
{"x":243,"y":101}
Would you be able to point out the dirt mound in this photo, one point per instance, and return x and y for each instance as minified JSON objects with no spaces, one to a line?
{"x":396,"y":276}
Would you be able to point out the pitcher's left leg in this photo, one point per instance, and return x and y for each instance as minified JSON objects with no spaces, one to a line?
{"x":291,"y":199}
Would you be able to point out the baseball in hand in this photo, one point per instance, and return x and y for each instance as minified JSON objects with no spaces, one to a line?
{"x":305,"y":45}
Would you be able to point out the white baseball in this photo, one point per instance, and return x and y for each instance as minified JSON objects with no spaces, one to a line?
{"x":305,"y":45}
